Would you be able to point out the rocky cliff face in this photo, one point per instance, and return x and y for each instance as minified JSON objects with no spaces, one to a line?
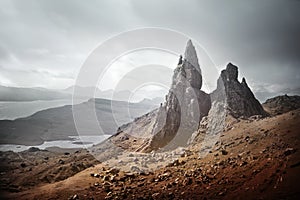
{"x":231,"y":99}
{"x":238,"y":98}
{"x":184,"y":107}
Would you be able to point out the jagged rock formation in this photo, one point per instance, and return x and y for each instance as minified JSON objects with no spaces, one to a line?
{"x":184,"y":107}
{"x":230,"y":99}
{"x":179,"y":118}
{"x":238,"y":98}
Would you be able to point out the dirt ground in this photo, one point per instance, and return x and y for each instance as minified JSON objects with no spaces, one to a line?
{"x":254,"y":159}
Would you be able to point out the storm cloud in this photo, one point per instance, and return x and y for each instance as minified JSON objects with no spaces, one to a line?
{"x":53,"y":38}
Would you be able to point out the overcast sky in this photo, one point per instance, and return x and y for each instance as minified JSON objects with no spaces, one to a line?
{"x":43,"y":43}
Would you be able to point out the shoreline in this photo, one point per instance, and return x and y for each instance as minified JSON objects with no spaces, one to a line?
{"x":72,"y":142}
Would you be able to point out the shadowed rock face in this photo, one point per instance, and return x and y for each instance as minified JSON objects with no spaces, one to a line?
{"x":238,"y":98}
{"x":191,"y":66}
{"x":184,"y":107}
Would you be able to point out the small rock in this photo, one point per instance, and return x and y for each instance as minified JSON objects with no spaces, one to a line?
{"x":135,"y":169}
{"x":105,"y":178}
{"x":221,"y":194}
{"x":140,"y":184}
{"x":61,"y":161}
{"x":113,"y":171}
{"x":106,"y":187}
{"x":247,"y":138}
{"x":188,"y":181}
{"x":263,"y":151}
{"x":221,"y":163}
{"x":33,"y":149}
{"x":289,"y":151}
{"x":112,"y":178}
{"x":74,"y":197}
{"x":224,"y":152}
{"x":23,"y":165}
{"x":167,"y":174}
{"x":171,"y":195}
{"x":243,"y":163}
{"x":130,"y":175}
{"x":155,"y":194}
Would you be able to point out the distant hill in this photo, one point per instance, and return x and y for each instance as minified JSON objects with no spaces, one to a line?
{"x":282,"y":104}
{"x":92,"y":92}
{"x":57,"y":123}
{"x":82,"y":92}
{"x":88,"y":92}
{"x":262,"y":96}
{"x":30,"y":94}
{"x":155,"y":101}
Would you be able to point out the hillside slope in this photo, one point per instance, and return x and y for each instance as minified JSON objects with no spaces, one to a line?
{"x":58,"y":123}
{"x":281,"y":104}
{"x":254,"y":159}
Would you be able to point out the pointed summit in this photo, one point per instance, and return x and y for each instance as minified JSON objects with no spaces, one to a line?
{"x":186,"y":104}
{"x":190,"y":55}
{"x":191,"y":66}
{"x":237,"y":97}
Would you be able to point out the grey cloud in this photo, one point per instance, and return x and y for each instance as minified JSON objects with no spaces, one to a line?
{"x":42,"y":78}
{"x":4,"y":54}
{"x":261,"y":37}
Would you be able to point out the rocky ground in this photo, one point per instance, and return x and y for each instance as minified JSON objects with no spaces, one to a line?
{"x":27,"y":169}
{"x":253,"y":159}
{"x":281,"y":104}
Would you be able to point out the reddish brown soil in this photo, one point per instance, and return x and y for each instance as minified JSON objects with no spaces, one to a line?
{"x":261,"y":161}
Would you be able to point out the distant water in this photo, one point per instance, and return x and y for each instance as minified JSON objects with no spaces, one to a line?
{"x":74,"y":142}
{"x":13,"y":110}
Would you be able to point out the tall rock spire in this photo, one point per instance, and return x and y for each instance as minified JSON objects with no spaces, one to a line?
{"x":184,"y":107}
{"x":190,"y":55}
{"x":191,"y":66}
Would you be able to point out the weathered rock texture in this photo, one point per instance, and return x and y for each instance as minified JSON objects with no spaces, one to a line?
{"x":184,"y":107}
{"x":230,"y":99}
{"x":179,"y":118}
{"x":238,"y":98}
